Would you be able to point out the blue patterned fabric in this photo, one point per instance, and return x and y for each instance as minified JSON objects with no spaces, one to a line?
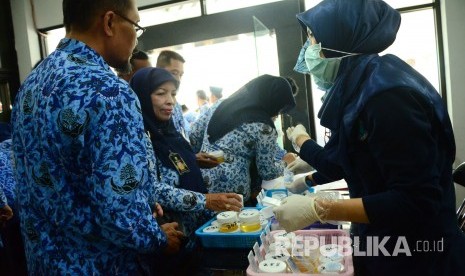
{"x":83,"y":168}
{"x":178,"y":120}
{"x":189,"y":221}
{"x":240,"y":146}
{"x":3,"y":200}
{"x":203,"y":109}
{"x":7,"y":180}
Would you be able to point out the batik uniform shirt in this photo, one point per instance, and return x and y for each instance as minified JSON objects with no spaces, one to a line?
{"x":178,"y":121}
{"x":240,"y":146}
{"x":192,"y":213}
{"x":82,"y":168}
{"x":3,"y":200}
{"x":204,"y":108}
{"x":166,"y":193}
{"x":7,"y":180}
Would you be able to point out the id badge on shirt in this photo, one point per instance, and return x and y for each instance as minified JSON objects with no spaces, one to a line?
{"x":178,"y":163}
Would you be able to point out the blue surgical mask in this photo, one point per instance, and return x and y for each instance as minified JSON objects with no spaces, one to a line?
{"x":323,"y":70}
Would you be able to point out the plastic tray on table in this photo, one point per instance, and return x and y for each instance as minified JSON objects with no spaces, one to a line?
{"x":228,"y":240}
{"x":326,"y":236}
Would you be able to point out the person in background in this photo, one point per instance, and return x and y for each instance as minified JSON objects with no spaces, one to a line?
{"x":12,"y":257}
{"x":202,"y":102}
{"x":391,"y":140}
{"x":242,"y":127}
{"x":139,"y":59}
{"x":216,"y":93}
{"x":188,"y":202}
{"x":174,"y":63}
{"x":189,"y":117}
{"x":81,"y":154}
{"x":6,"y":183}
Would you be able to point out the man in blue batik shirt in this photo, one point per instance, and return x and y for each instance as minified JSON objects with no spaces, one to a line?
{"x":82,"y":162}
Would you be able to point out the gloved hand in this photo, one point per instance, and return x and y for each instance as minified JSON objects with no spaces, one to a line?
{"x":296,"y":212}
{"x":299,"y":166}
{"x":294,"y":132}
{"x":298,"y":186}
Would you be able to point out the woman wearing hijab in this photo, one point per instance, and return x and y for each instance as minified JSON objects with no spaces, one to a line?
{"x":242,"y":127}
{"x":391,"y":140}
{"x":180,"y":186}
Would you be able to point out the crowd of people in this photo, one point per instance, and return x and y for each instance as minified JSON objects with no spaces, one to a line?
{"x":102,"y":173}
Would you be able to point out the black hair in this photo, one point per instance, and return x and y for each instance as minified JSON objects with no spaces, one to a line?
{"x":201,"y":95}
{"x":184,"y":108}
{"x":139,"y":55}
{"x":293,"y":84}
{"x":216,"y":91}
{"x":165,"y":57}
{"x":81,"y":13}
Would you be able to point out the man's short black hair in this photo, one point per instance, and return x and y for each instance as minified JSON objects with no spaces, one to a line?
{"x":139,"y":55}
{"x":165,"y":57}
{"x":201,"y":95}
{"x":81,"y":13}
{"x":216,"y":91}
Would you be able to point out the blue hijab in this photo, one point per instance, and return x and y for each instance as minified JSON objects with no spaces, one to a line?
{"x":366,"y":27}
{"x":165,"y":139}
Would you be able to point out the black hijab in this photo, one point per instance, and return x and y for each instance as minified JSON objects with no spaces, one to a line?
{"x":168,"y":144}
{"x":259,"y":100}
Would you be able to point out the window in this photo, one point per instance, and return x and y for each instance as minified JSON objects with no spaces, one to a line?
{"x":396,"y":4}
{"x":53,"y":38}
{"x":216,"y":6}
{"x":170,"y":13}
{"x":213,"y":62}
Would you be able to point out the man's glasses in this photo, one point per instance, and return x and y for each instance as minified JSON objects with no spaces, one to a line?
{"x":139,"y":29}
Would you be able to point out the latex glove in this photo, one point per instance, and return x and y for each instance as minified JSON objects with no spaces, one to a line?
{"x":299,"y":166}
{"x":298,"y":186}
{"x":296,"y":212}
{"x":294,"y":132}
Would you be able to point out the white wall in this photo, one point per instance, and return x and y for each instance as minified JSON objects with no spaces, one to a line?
{"x":26,"y":39}
{"x":454,"y":37}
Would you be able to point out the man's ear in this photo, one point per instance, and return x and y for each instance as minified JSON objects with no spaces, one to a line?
{"x":108,"y":23}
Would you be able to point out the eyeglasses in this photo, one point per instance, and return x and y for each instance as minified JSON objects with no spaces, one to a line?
{"x":139,"y":29}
